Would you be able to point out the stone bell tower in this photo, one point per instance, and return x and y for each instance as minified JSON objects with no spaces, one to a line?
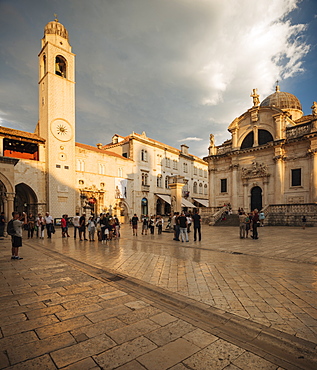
{"x":57,"y":117}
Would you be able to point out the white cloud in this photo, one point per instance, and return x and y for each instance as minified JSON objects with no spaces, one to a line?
{"x":170,"y":68}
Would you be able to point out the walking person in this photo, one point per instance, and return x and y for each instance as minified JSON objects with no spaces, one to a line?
{"x":197,"y":225}
{"x":145,"y":224}
{"x":189,"y":221}
{"x":134,"y":223}
{"x":159,"y":224}
{"x":304,"y":221}
{"x":82,"y":227}
{"x":76,"y":224}
{"x":247,"y":224}
{"x":31,"y":225}
{"x":63,"y":225}
{"x":261,"y":218}
{"x":152,"y":224}
{"x":49,"y":224}
{"x":15,"y":230}
{"x":91,"y":229}
{"x":255,"y":224}
{"x":117,"y":226}
{"x":183,"y":227}
{"x":40,"y":223}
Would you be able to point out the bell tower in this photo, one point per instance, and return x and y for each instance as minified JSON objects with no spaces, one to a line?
{"x":57,"y":117}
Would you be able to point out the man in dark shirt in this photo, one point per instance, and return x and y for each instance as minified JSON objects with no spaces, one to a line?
{"x":183,"y":227}
{"x":82,"y":227}
{"x":197,"y":223}
{"x":134,"y":222}
{"x":255,"y":224}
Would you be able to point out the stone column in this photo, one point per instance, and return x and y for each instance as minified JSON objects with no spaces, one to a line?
{"x":246,"y":205}
{"x":265,"y":197}
{"x":212,"y":188}
{"x":176,"y":194}
{"x":234,"y":186}
{"x":313,"y":153}
{"x":10,"y":205}
{"x":278,"y":179}
{"x":256,"y":136}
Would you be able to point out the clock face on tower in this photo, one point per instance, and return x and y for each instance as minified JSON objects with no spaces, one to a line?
{"x":61,"y":130}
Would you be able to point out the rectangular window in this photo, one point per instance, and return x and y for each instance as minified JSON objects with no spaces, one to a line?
{"x":125,"y":155}
{"x":297,"y":177}
{"x":66,"y":167}
{"x":223,"y":185}
{"x":58,"y":166}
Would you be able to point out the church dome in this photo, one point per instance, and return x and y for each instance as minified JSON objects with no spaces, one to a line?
{"x":57,"y":28}
{"x":281,"y":100}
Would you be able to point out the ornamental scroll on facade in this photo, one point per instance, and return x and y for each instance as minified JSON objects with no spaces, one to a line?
{"x":257,"y":170}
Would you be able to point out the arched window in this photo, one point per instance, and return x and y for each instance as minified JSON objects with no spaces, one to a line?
{"x":200,"y":188}
{"x":159,"y":181}
{"x":144,"y":206}
{"x":60,"y":66}
{"x":248,"y":141}
{"x":195,"y":188}
{"x":205,"y":189}
{"x":264,"y":137}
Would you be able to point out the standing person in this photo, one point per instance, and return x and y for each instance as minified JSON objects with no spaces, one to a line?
{"x":176,"y":226}
{"x":91,"y":229}
{"x":152,"y":224}
{"x":117,"y":226}
{"x":189,"y":221}
{"x":145,"y":224}
{"x":2,"y":224}
{"x":197,"y":225}
{"x":247,"y":224}
{"x":67,"y":225}
{"x":16,"y":235}
{"x":159,"y":224}
{"x":63,"y":225}
{"x":31,"y":225}
{"x":40,"y":223}
{"x":134,"y":223}
{"x":255,"y":224}
{"x":304,"y":221}
{"x":261,"y":218}
{"x":183,"y":227}
{"x":82,"y":227}
{"x":242,"y":224}
{"x":49,"y":224}
{"x":76,"y":224}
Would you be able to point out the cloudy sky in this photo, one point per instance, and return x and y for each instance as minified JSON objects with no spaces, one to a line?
{"x":176,"y":69}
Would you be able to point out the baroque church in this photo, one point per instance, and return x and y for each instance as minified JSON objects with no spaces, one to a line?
{"x":48,"y":171}
{"x":270,"y":162}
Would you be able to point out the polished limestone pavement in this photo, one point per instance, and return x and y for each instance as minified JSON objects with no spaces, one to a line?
{"x":149,"y":302}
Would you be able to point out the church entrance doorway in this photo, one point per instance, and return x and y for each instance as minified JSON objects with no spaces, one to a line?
{"x":256,"y":198}
{"x":25,"y":199}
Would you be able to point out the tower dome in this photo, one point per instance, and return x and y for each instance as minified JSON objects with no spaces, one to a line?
{"x":56,"y":28}
{"x":281,"y":100}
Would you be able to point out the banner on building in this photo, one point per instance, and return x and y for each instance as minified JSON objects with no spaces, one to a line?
{"x":121,"y":188}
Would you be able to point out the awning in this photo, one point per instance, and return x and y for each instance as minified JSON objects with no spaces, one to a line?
{"x":203,"y":202}
{"x":164,"y":197}
{"x":186,"y":203}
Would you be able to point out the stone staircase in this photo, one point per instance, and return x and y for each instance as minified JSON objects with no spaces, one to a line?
{"x":231,"y":220}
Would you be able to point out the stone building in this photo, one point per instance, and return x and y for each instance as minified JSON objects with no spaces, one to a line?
{"x":270,"y":161}
{"x":48,"y":171}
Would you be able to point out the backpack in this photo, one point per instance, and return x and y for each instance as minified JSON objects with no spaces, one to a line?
{"x":10,"y":228}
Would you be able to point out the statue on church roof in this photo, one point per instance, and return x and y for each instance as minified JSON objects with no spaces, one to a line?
{"x":314,"y":109}
{"x":255,"y":96}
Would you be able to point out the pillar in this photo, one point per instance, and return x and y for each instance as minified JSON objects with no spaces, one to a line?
{"x":176,"y":194}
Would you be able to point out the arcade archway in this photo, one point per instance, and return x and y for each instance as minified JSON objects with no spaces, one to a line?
{"x":25,"y":199}
{"x":256,"y":198}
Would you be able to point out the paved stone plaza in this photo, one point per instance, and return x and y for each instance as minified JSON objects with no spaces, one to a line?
{"x":149,"y":302}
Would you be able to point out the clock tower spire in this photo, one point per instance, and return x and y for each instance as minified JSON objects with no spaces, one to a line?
{"x":57,"y":117}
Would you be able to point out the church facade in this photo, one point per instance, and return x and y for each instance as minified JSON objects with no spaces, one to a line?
{"x":270,"y":160}
{"x":48,"y":171}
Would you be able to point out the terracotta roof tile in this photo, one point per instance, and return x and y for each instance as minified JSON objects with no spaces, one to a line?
{"x":20,"y":134}
{"x":102,"y":151}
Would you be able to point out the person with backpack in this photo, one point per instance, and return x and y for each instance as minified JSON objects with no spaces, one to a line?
{"x":14,"y":228}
